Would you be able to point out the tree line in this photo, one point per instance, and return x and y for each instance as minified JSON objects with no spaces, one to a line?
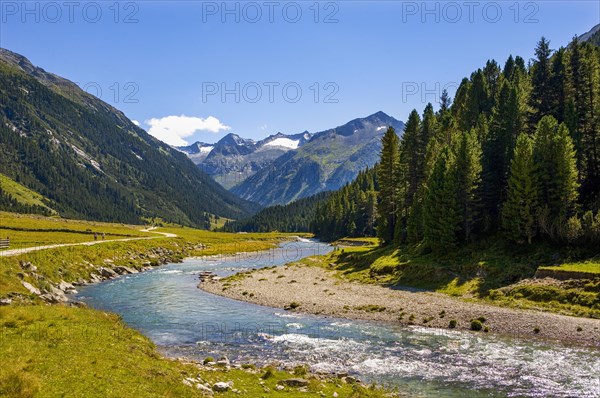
{"x":517,"y":153}
{"x":294,"y":217}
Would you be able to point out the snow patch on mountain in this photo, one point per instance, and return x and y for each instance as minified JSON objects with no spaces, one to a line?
{"x":284,"y":142}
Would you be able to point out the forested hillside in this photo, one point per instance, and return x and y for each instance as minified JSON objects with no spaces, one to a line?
{"x":351,"y":211}
{"x":92,"y":162}
{"x":517,"y":153}
{"x":294,"y":217}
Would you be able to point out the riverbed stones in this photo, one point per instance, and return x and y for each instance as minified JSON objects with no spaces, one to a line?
{"x":67,"y":287}
{"x":221,"y":386}
{"x":204,"y":389}
{"x":122,"y":270}
{"x":107,"y":272}
{"x":32,"y":289}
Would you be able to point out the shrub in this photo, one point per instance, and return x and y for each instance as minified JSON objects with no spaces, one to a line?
{"x":579,"y":328}
{"x":573,"y":229}
{"x":208,"y":359}
{"x":486,"y":329}
{"x":292,"y":306}
{"x":536,"y":330}
{"x":452,"y":324}
{"x":269,"y":372}
{"x":476,"y":325}
{"x":481,"y":319}
{"x":300,"y":370}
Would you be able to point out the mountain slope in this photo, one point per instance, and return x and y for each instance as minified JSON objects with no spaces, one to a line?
{"x":233,"y":159}
{"x":327,"y":162}
{"x":592,"y":36}
{"x":91,"y":161}
{"x":297,"y":216}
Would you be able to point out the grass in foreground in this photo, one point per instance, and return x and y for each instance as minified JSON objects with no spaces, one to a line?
{"x":53,"y":351}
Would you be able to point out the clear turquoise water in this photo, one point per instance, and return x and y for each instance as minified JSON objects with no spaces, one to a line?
{"x":166,"y":305}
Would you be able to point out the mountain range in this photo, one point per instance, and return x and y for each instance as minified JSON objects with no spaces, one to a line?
{"x":88,"y":160}
{"x":233,"y":159}
{"x":282,"y":168}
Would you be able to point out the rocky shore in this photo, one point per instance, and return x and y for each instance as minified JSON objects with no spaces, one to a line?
{"x":314,"y":290}
{"x":53,"y":293}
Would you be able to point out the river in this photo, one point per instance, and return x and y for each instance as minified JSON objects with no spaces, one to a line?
{"x":166,"y":305}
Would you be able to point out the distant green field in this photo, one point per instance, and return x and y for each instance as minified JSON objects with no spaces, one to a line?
{"x":22,"y":194}
{"x":30,"y":230}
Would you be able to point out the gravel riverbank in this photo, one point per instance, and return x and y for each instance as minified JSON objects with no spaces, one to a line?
{"x":314,"y":290}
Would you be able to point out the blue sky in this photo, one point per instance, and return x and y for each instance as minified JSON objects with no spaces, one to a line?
{"x":256,"y":68}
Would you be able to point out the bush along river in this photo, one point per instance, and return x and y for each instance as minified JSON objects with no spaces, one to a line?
{"x":166,"y":305}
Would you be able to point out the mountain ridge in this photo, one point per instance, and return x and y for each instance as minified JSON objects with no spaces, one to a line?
{"x":327,"y":162}
{"x":91,"y":161}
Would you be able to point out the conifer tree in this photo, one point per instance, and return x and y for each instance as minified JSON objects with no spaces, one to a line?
{"x":467,"y":173}
{"x":411,"y":148}
{"x":498,"y":149}
{"x":520,"y":209}
{"x":388,"y":176}
{"x":541,"y":92}
{"x":556,"y":174}
{"x":558,"y":82}
{"x":440,"y":215}
{"x":585,"y":85}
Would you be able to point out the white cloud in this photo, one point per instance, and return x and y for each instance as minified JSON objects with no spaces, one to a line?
{"x":173,"y":129}
{"x":136,"y":123}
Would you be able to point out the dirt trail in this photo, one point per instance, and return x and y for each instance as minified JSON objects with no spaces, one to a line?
{"x":16,"y":252}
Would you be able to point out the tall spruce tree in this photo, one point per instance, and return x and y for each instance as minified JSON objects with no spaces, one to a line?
{"x":541,"y":93}
{"x":556,"y":174}
{"x":413,"y":157}
{"x":558,"y":85}
{"x":440,"y":208}
{"x":585,"y":84}
{"x":498,"y":149}
{"x":389,"y":178}
{"x":520,"y":209}
{"x":467,"y":173}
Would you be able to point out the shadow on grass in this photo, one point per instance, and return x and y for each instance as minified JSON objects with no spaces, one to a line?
{"x":473,"y":269}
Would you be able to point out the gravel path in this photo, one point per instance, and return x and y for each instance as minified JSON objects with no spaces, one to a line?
{"x":16,"y":252}
{"x":318,"y":291}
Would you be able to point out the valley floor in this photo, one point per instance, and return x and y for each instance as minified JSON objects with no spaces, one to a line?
{"x":316,"y":290}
